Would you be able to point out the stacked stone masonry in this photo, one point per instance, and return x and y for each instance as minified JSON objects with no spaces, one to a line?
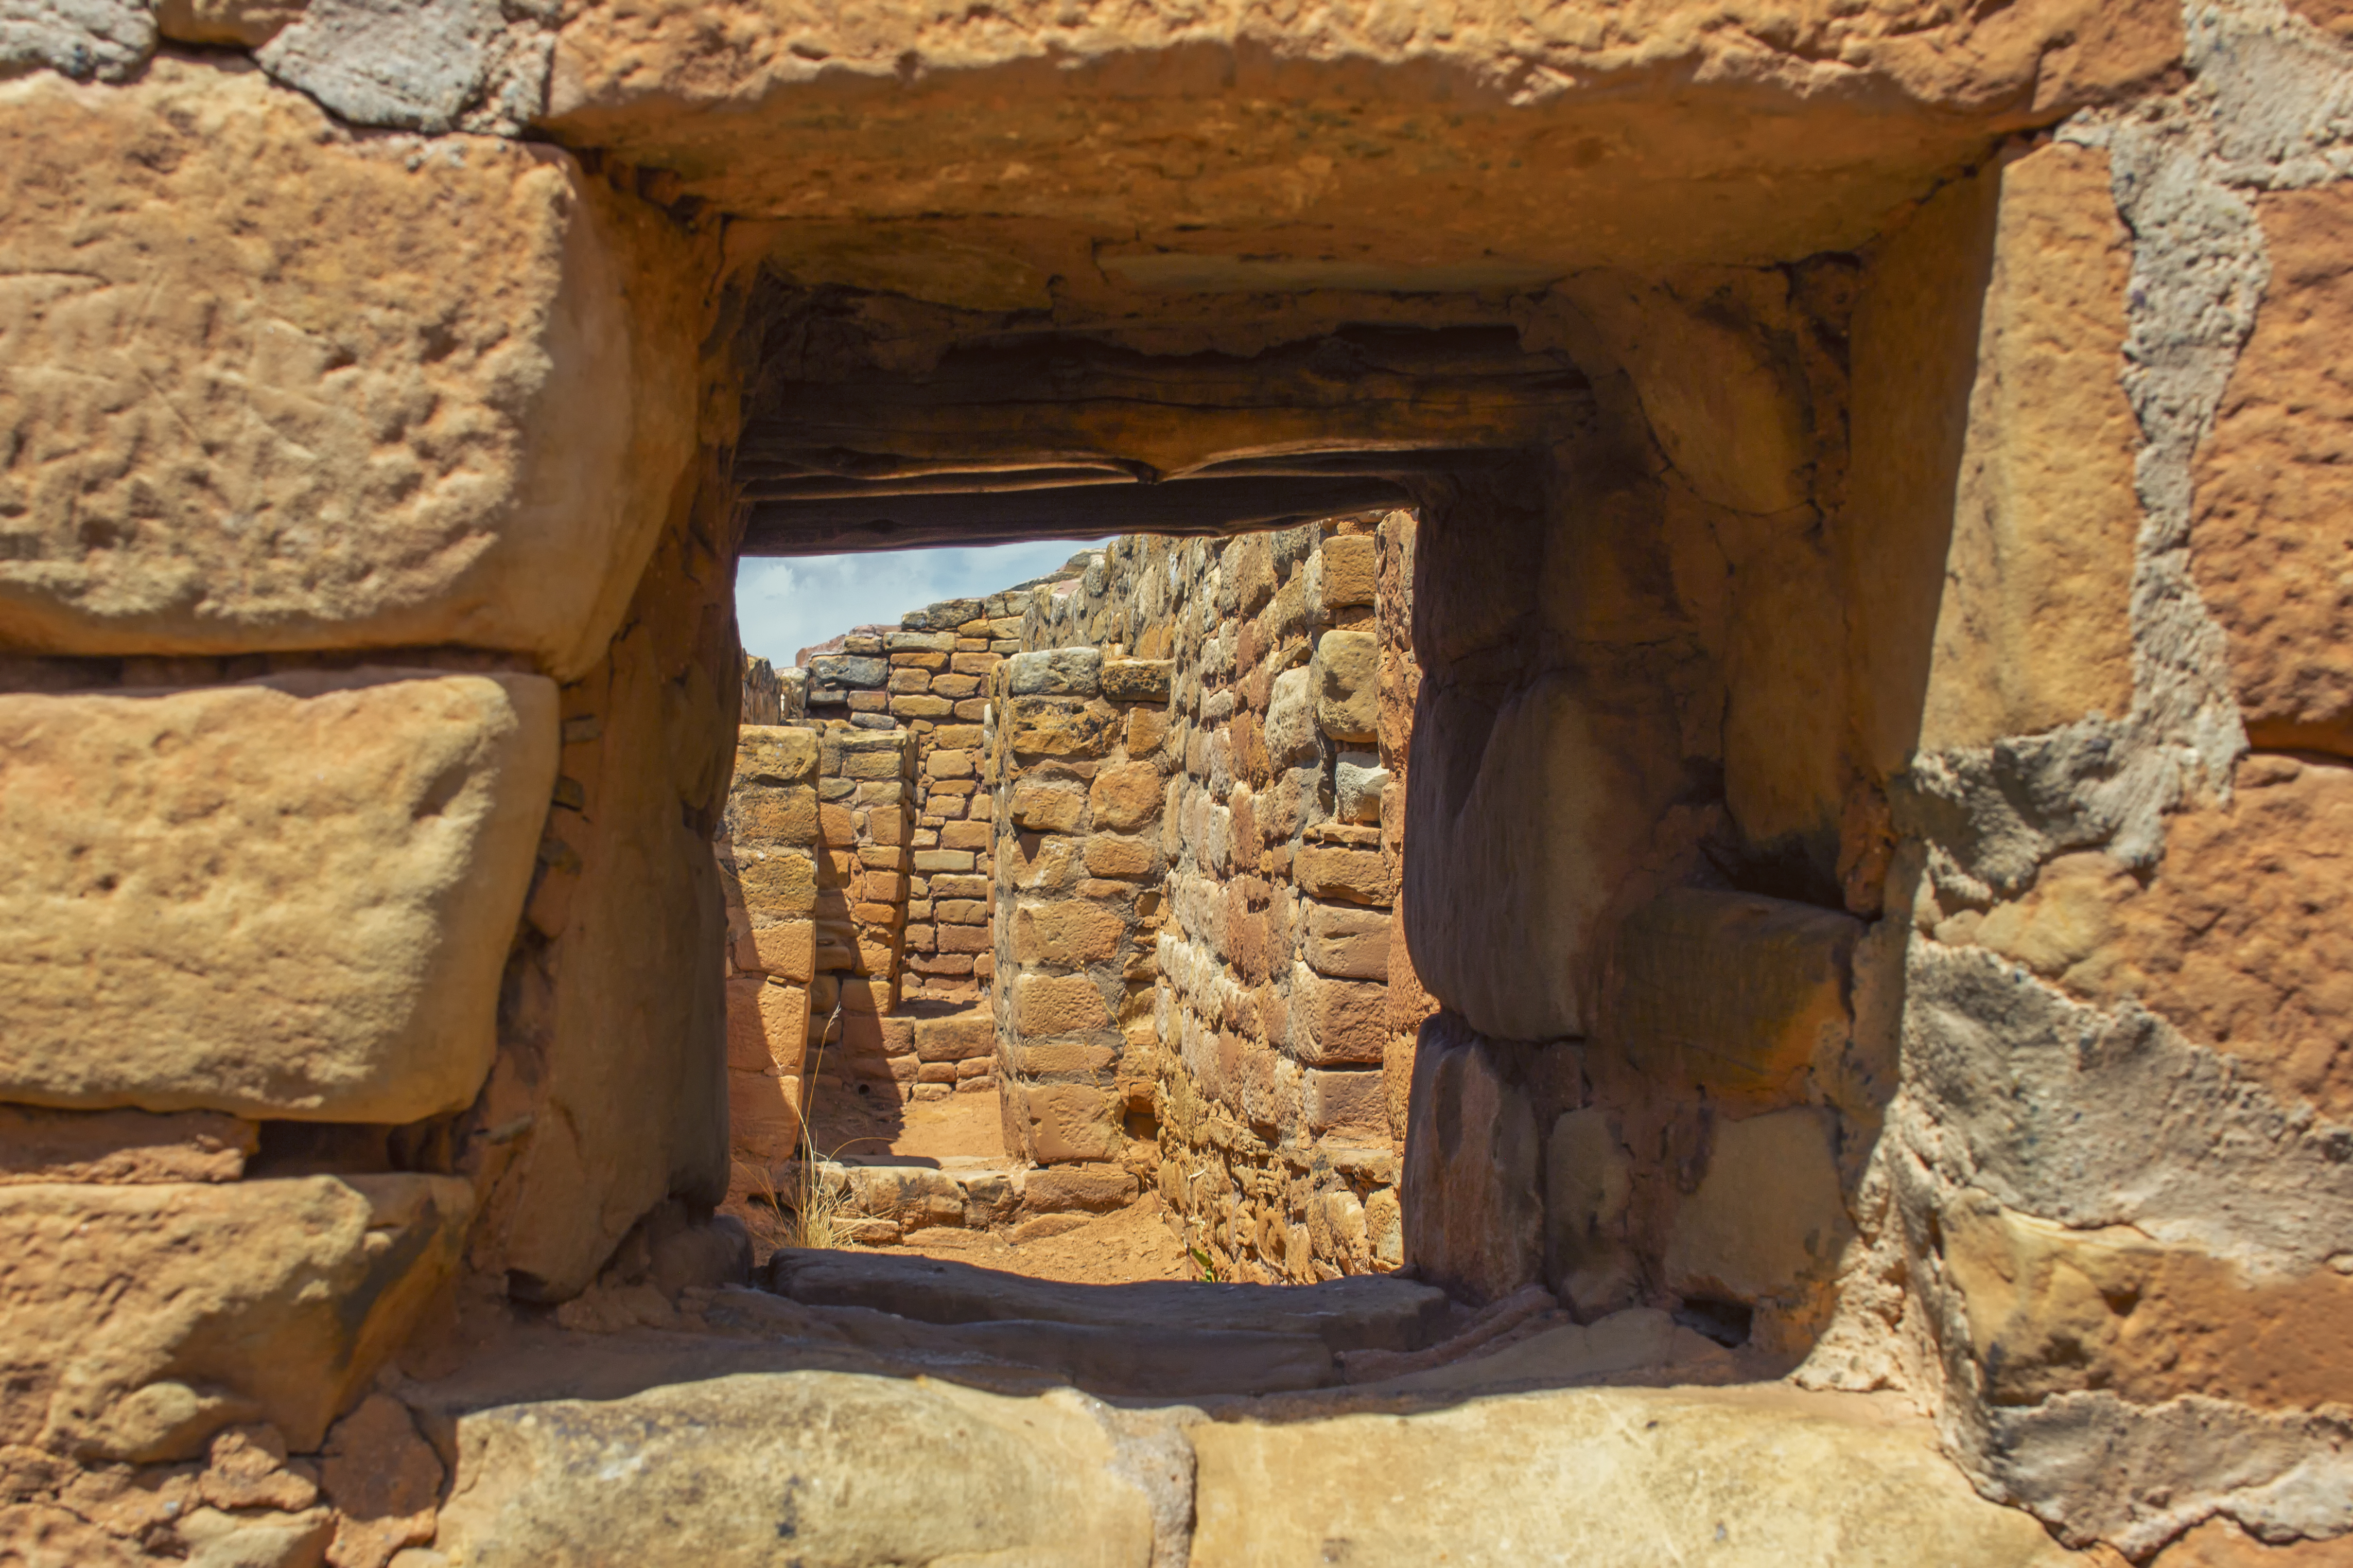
{"x":1878,"y":755}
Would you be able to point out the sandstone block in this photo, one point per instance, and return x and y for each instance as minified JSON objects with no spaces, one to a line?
{"x":351,"y":848}
{"x":924,"y":707}
{"x":1291,"y":733}
{"x":1060,"y":726}
{"x":778,"y":884}
{"x":1767,"y":1221}
{"x":1729,"y":991}
{"x":1344,"y":1102}
{"x":855,"y":672}
{"x":887,"y":1467}
{"x":1055,"y":672}
{"x":1348,"y":942}
{"x":965,"y":836}
{"x":1090,"y":1189}
{"x":786,"y":950}
{"x":946,"y":615}
{"x":1127,"y":797}
{"x":1474,"y":1216}
{"x":1526,"y":819}
{"x":767,"y":1025}
{"x":1070,"y":934}
{"x":144,"y":1319}
{"x":951,"y":860}
{"x":775,"y":754}
{"x":1039,"y":806}
{"x":905,"y":642}
{"x":1346,"y":673}
{"x":1745,"y":1478}
{"x":1341,"y":872}
{"x":473,"y":434}
{"x":964,"y":939}
{"x":1116,"y":856}
{"x":1137,"y":680}
{"x":2033,"y":630}
{"x":1351,"y":570}
{"x":1046,"y":1005}
{"x":117,"y":1146}
{"x":904,"y":679}
{"x":1335,"y":1021}
{"x":1060,"y":1122}
{"x":1587,"y":1183}
{"x":763,"y":1115}
{"x":766,"y":814}
{"x":2271,"y":519}
{"x":955,"y":1038}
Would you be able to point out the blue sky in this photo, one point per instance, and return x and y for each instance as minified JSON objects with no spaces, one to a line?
{"x":784,"y":604}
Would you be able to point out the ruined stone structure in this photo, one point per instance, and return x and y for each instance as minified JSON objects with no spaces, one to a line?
{"x":1881,"y":736}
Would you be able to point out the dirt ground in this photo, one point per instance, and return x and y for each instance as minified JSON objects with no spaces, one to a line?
{"x":846,"y":1122}
{"x":1133,"y":1242}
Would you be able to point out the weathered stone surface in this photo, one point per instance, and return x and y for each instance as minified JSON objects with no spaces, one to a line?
{"x":847,"y":1469}
{"x":1056,"y":1122}
{"x":1621,"y":1478}
{"x":1768,"y":1225}
{"x":1348,"y":942}
{"x":1526,"y":819}
{"x":142,"y":1319}
{"x":1587,"y":1181}
{"x":37,"y":1145}
{"x":244,"y":24}
{"x":341,"y":402}
{"x":1680,"y":175}
{"x":2221,"y":1544}
{"x":1060,"y":726}
{"x":414,"y":65}
{"x":2034,"y":629}
{"x":1136,"y":679}
{"x":1346,"y":676}
{"x":1071,"y":933}
{"x":385,"y":1481}
{"x":2053,"y":1310}
{"x":1291,"y":737}
{"x":2269,"y":530}
{"x":1362,"y":1312}
{"x":1474,"y":1216}
{"x":775,"y":754}
{"x":1055,"y":672}
{"x":1731,"y":992}
{"x":106,"y":39}
{"x":2239,"y":938}
{"x":1337,"y":1021}
{"x":291,"y":896}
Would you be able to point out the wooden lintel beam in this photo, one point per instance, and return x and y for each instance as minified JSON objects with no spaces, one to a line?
{"x":1185,"y":508}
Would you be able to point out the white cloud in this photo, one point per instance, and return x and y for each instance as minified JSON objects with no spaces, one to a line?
{"x":784,"y":604}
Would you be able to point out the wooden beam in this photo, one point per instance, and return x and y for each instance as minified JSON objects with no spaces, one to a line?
{"x":1181,"y":508}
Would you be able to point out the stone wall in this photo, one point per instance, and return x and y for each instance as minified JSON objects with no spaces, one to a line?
{"x":769,"y":850}
{"x":1920,"y":626}
{"x":1197,"y":906}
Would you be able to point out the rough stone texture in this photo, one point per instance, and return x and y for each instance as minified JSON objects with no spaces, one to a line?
{"x":847,"y":1470}
{"x":1473,"y":1207}
{"x":416,"y":65}
{"x":291,"y":896}
{"x":385,"y":1481}
{"x":2032,"y":630}
{"x":1768,"y":1223}
{"x":2237,"y":940}
{"x":2270,"y":533}
{"x":274,"y":387}
{"x":1616,"y":1476}
{"x":1734,"y":994}
{"x":105,"y":40}
{"x":114,"y":1146}
{"x":142,"y":1319}
{"x":1647,"y":176}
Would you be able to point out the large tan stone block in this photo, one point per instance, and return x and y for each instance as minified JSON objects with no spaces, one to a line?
{"x":274,"y":386}
{"x":1346,"y":673}
{"x":2035,"y":630}
{"x":2274,"y":515}
{"x":767,"y":1025}
{"x":142,"y":1319}
{"x":1767,"y":1225}
{"x":851,"y":1470}
{"x":1616,"y":1478}
{"x":1071,"y":933}
{"x":1046,"y":1005}
{"x":1059,"y":1122}
{"x":1337,"y":1021}
{"x":2051,"y":1309}
{"x":1473,"y":1217}
{"x":1731,"y":992}
{"x":291,"y":896}
{"x":1526,"y":819}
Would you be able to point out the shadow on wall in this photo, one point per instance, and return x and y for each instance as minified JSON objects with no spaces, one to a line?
{"x":1670,"y":684}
